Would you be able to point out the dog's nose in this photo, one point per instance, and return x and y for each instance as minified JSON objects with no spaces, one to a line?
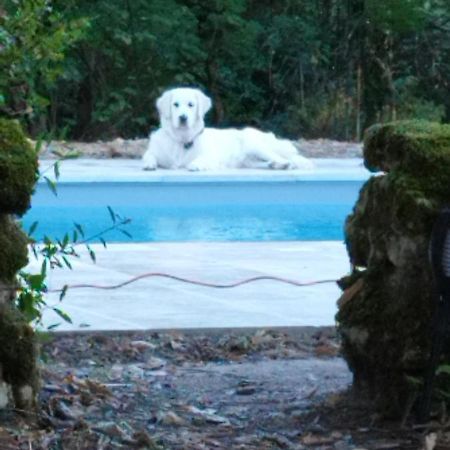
{"x":183,"y":118}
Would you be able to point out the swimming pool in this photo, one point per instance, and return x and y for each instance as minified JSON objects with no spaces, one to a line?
{"x":212,"y":210}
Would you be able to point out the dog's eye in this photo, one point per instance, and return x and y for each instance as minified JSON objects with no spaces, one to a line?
{"x":191,"y":105}
{"x":176,"y":104}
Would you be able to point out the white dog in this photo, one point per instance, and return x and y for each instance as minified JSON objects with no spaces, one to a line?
{"x":182,"y":141}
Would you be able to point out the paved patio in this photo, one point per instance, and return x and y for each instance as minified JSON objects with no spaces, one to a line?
{"x":157,"y":303}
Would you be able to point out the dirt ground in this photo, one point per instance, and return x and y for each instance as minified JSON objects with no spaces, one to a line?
{"x":253,"y":390}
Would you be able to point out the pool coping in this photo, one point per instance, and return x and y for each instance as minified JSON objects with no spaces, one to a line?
{"x":130,"y":170}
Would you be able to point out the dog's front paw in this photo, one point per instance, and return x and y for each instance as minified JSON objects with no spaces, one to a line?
{"x":280,"y":165}
{"x":196,"y":166}
{"x":149,"y":167}
{"x":192,"y":167}
{"x":150,"y":162}
{"x":302,"y":163}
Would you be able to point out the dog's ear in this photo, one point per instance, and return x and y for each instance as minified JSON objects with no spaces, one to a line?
{"x":204,"y":104}
{"x":163,"y":104}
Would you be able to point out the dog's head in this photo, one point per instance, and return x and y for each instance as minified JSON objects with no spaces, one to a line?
{"x":183,"y":108}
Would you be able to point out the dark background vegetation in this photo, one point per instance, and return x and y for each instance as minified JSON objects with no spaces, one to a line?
{"x":92,"y":69}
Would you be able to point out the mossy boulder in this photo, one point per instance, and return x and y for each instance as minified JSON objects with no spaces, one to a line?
{"x":18,"y":356}
{"x":18,"y":353}
{"x":18,"y":168}
{"x":417,"y":148}
{"x":385,"y":312}
{"x":13,"y":248}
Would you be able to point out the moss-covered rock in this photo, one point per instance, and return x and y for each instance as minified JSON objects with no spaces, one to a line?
{"x":385,"y":312}
{"x":18,"y":357}
{"x":18,"y":168}
{"x":13,"y":249}
{"x":18,"y":353}
{"x":418,"y":148}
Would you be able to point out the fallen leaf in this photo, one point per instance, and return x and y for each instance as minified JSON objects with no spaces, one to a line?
{"x":111,"y":429}
{"x":170,"y":418}
{"x":155,"y":363}
{"x":142,"y":345}
{"x":65,"y":412}
{"x":312,"y":439}
{"x":208,"y":415}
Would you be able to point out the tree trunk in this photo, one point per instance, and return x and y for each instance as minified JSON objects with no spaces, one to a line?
{"x":218,"y":108}
{"x":358,"y":102}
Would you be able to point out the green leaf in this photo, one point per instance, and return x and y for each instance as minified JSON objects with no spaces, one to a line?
{"x":67,"y":262}
{"x":58,"y":153}
{"x":444,"y":368}
{"x":63,"y":292}
{"x":33,"y":227}
{"x":79,"y":228}
{"x":56,"y":170}
{"x":26,"y":304}
{"x":44,"y":268}
{"x":72,"y":154}
{"x":38,"y":146}
{"x":112,"y":214}
{"x":414,"y":381}
{"x":92,"y":255}
{"x":66,"y":240}
{"x":126,"y":233}
{"x":36,"y":282}
{"x":52,"y":185}
{"x":444,"y":394}
{"x":63,"y":315}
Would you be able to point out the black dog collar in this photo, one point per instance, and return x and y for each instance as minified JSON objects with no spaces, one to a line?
{"x":188,"y":145}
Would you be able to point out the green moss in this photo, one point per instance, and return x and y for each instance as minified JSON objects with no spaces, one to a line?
{"x":13,"y":248}
{"x":18,"y":351}
{"x":384,"y":316}
{"x":418,"y":148}
{"x":18,"y":169}
{"x":385,"y":333}
{"x":387,"y":203}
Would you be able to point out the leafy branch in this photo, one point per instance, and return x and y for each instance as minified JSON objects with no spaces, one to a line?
{"x":57,"y":253}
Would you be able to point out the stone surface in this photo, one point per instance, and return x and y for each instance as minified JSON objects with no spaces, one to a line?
{"x":18,"y":168}
{"x":18,"y":350}
{"x":86,"y":170}
{"x":13,"y":249}
{"x":159,"y":303}
{"x":385,"y":312}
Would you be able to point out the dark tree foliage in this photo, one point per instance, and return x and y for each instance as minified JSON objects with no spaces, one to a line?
{"x":90,"y":69}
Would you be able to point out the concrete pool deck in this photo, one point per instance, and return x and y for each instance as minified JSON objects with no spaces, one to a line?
{"x":117,"y":170}
{"x":157,"y":303}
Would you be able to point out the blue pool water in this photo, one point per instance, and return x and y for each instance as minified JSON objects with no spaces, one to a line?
{"x":207,"y":211}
